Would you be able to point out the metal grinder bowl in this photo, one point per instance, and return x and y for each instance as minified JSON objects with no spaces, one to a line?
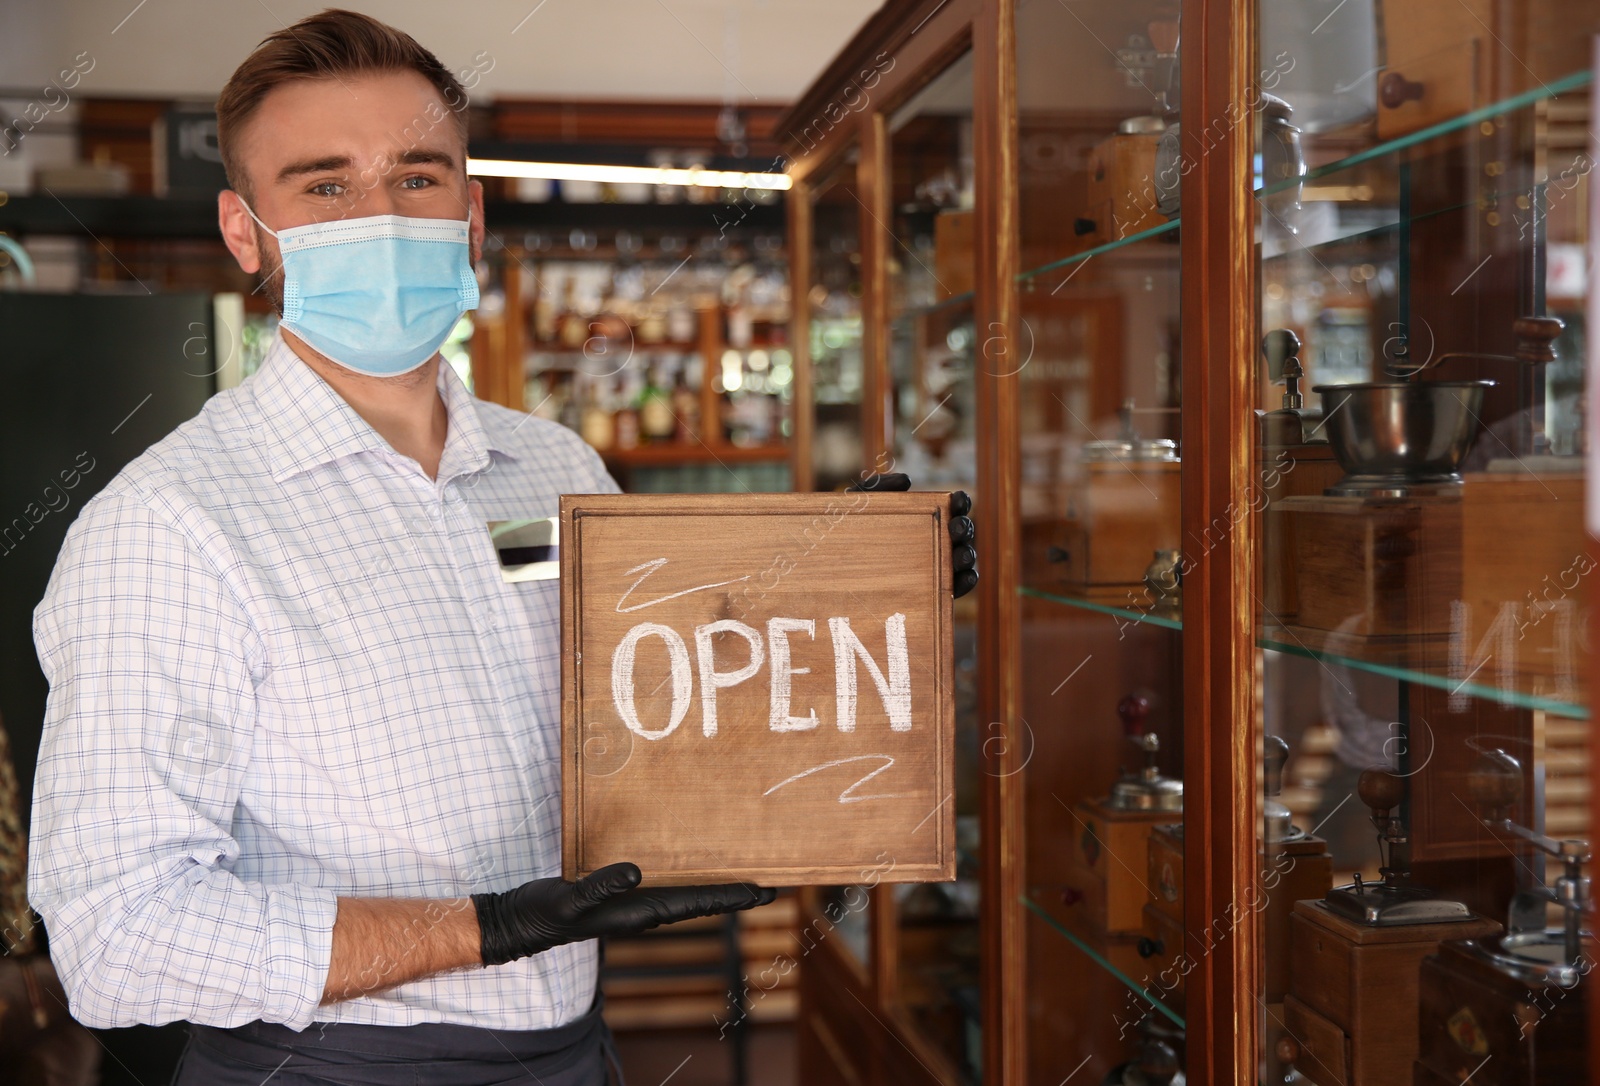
{"x":1401,"y":439}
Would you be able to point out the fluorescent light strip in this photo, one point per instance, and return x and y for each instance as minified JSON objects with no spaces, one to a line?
{"x":647,"y":175}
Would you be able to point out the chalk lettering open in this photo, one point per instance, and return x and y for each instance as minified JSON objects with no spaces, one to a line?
{"x":773,"y":649}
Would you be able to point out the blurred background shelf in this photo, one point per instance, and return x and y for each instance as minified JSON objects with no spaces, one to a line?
{"x":652,"y":456}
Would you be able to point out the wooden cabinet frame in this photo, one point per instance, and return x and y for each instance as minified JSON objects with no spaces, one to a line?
{"x":1220,"y":695}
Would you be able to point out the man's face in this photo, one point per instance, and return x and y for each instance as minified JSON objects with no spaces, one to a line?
{"x":323,"y":149}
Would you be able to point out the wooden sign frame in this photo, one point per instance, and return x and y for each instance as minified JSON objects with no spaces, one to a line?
{"x":826,"y":755}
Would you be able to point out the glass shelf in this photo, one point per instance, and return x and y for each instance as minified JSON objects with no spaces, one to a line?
{"x":1552,"y":89}
{"x":1130,"y":613}
{"x":1360,"y":232}
{"x":1038,"y":908}
{"x":1078,"y":258}
{"x":1465,"y":120}
{"x":1283,"y":640}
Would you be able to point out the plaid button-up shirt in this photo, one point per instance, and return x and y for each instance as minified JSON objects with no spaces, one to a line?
{"x":284,"y":667}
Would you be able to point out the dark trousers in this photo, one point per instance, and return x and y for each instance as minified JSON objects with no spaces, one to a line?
{"x":435,"y":1054}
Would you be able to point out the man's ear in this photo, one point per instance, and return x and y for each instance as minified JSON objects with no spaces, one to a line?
{"x":238,"y":231}
{"x":477,"y":231}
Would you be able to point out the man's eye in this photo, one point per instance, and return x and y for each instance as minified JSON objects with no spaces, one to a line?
{"x":416,"y":181}
{"x":328,"y":189}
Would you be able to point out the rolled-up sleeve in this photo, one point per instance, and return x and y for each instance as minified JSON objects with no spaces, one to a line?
{"x":152,"y":664}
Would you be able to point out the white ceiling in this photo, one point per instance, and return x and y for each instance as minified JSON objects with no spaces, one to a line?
{"x":749,"y":50}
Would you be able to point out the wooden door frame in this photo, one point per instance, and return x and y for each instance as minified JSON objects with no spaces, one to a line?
{"x":998,"y":514}
{"x":802,"y":409}
{"x":1221,"y":702}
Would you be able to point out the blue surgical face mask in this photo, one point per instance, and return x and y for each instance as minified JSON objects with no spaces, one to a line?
{"x":379,"y":294}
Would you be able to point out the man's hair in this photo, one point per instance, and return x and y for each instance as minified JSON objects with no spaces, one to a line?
{"x":328,"y":45}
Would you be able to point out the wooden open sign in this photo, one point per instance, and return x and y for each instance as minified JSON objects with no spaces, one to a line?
{"x":758,"y":687}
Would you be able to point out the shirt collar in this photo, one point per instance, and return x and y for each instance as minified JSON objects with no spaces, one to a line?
{"x":310,"y":424}
{"x":468,"y":441}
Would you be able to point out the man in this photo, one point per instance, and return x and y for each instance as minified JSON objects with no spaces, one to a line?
{"x":301,"y":755}
{"x":300,"y":761}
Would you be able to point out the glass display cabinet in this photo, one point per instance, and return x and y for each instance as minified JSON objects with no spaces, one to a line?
{"x":1419,"y":233}
{"x":1257,"y":331}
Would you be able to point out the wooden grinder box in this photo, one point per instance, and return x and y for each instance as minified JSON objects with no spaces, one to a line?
{"x":1109,"y":864}
{"x":1117,"y":517}
{"x":1354,"y":993}
{"x":1385,"y":570}
{"x":1121,"y":191}
{"x":757,"y":687}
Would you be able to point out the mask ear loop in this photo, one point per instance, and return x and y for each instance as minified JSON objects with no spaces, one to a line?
{"x":468,"y":290}
{"x":279,"y":270}
{"x":274,"y":233}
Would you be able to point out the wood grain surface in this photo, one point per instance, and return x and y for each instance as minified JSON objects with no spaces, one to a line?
{"x":710,"y":644}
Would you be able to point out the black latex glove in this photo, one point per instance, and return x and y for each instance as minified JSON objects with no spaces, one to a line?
{"x":963,"y":533}
{"x":545,"y":913}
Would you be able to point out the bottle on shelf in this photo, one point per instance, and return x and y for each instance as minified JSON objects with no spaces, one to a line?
{"x":570,"y":412}
{"x":597,"y":425}
{"x":626,"y":419}
{"x":686,"y":404}
{"x":572,"y":328}
{"x":656,"y":424}
{"x":741,"y":329}
{"x":545,"y":314}
{"x":681,"y":321}
{"x":778,"y":427}
{"x":652,"y":326}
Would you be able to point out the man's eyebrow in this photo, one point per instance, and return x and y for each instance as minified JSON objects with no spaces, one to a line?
{"x":423,"y":157}
{"x":314,"y":165}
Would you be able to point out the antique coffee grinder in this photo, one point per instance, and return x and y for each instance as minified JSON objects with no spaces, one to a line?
{"x":1395,"y":900}
{"x":1295,"y":866}
{"x":1294,"y":423}
{"x":1114,"y":832}
{"x":1511,"y":1002}
{"x":1351,"y":1010}
{"x":1293,"y":863}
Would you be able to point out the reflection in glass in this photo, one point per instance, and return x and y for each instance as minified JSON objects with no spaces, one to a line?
{"x":834,"y":301}
{"x":932,"y":346}
{"x":1104,"y":557}
{"x":1425,"y":681}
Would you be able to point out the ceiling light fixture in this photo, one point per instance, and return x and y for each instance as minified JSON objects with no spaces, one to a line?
{"x":647,"y":175}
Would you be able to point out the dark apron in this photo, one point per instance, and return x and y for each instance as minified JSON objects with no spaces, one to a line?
{"x":434,"y":1054}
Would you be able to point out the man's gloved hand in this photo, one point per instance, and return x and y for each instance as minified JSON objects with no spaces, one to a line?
{"x":545,"y":913}
{"x":963,"y":533}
